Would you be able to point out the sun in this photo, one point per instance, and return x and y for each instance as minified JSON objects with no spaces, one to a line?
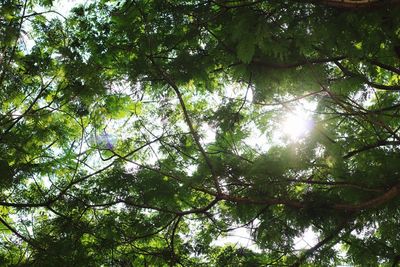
{"x":296,"y":124}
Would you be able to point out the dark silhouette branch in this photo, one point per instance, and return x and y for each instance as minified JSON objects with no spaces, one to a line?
{"x":371,"y":146}
{"x":14,"y":231}
{"x":356,"y":4}
{"x":385,"y":66}
{"x":349,"y":73}
{"x":320,"y":244}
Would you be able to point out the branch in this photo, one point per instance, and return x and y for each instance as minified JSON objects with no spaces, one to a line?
{"x":281,"y":103}
{"x":372,"y":203}
{"x":365,"y":80}
{"x":44,"y":12}
{"x":306,"y":61}
{"x":12,"y":229}
{"x":179,"y":179}
{"x":337,"y":184}
{"x":385,"y":66}
{"x":392,"y":193}
{"x":29,"y":107}
{"x":371,"y":146}
{"x":101,"y":170}
{"x":24,"y":205}
{"x":323,"y":242}
{"x":174,"y":229}
{"x":349,"y":109}
{"x":189,"y":123}
{"x":129,"y":202}
{"x":354,"y":4}
{"x":236,"y":4}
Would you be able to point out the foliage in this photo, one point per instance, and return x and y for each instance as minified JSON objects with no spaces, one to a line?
{"x":127,"y":133}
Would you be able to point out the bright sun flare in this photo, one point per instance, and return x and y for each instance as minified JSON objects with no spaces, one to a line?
{"x":296,"y":124}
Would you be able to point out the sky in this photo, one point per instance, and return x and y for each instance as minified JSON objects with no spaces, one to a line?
{"x":65,"y":6}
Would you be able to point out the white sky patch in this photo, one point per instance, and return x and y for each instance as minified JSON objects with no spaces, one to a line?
{"x":366,"y":98}
{"x":208,"y":135}
{"x":239,"y":237}
{"x":64,"y":6}
{"x":307,"y":240}
{"x":257,"y":139}
{"x":191,"y":169}
{"x":238,"y":91}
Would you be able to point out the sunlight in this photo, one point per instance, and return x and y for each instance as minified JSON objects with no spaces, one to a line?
{"x":297,"y":123}
{"x":296,"y":126}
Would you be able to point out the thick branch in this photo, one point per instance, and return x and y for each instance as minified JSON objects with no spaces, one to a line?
{"x":346,"y":207}
{"x":373,"y":203}
{"x":385,"y":66}
{"x":355,"y":4}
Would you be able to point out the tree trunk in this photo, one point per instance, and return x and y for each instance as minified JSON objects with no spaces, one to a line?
{"x":358,"y":3}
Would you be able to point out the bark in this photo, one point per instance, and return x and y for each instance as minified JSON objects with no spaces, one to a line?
{"x":356,"y":4}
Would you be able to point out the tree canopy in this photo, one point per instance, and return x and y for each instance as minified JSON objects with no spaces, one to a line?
{"x":139,"y":132}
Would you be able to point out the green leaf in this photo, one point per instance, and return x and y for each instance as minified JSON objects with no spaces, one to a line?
{"x":246,"y":49}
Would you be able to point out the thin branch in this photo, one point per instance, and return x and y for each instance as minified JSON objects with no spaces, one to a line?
{"x":371,"y":146}
{"x":29,"y":107}
{"x":190,"y":124}
{"x":129,"y":201}
{"x":12,"y":229}
{"x":320,"y":244}
{"x":44,"y":12}
{"x":365,"y":80}
{"x":290,"y":65}
{"x":3,"y":74}
{"x":335,"y":184}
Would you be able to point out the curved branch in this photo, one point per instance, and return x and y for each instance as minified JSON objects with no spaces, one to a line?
{"x":336,"y":184}
{"x":349,"y":73}
{"x":188,"y":121}
{"x":354,"y":4}
{"x":174,"y":258}
{"x":372,"y":203}
{"x":298,"y":204}
{"x":371,"y":146}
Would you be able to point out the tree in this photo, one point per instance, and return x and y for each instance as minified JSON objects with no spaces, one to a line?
{"x":127,"y":127}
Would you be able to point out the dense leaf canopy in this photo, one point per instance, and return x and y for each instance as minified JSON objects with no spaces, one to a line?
{"x":138,"y":133}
